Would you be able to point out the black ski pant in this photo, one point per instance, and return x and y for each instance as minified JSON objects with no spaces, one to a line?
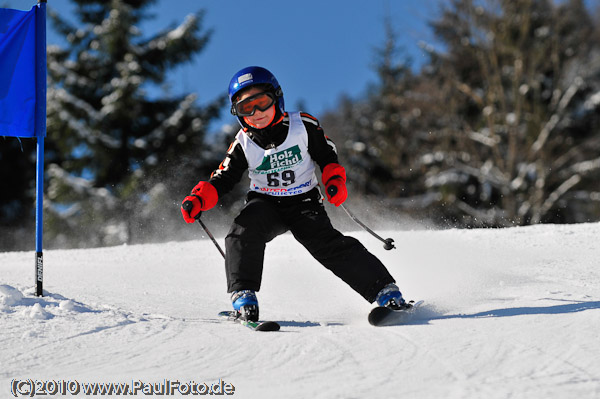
{"x":264,"y":218}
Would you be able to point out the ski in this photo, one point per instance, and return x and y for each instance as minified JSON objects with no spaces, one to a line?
{"x":253,"y":325}
{"x":383,"y":316}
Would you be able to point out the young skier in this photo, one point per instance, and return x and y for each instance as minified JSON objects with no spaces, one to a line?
{"x":279,"y":149}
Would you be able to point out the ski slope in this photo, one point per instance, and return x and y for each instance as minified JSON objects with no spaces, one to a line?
{"x":509,"y":313}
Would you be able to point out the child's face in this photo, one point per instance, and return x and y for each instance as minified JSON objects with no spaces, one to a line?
{"x":260,"y":119}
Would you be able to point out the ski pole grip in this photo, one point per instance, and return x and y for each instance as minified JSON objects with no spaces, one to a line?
{"x":187,"y":206}
{"x":332,"y":190}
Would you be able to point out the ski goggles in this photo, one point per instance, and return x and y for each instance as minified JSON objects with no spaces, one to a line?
{"x":248,"y":106}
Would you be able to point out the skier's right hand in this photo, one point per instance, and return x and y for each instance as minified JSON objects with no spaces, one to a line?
{"x":204,"y":196}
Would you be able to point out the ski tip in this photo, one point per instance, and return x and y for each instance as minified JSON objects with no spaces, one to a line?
{"x":383,"y":316}
{"x":378,"y":314}
{"x":268,"y":326}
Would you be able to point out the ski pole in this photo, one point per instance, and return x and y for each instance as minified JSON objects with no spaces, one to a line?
{"x":187,"y":206}
{"x":388,"y":243}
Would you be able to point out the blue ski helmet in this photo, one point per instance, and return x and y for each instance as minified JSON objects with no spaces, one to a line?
{"x":255,"y":75}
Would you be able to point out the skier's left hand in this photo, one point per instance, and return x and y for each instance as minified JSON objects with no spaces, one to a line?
{"x":334,"y":178}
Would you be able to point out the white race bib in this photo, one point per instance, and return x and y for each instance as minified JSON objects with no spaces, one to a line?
{"x":285,"y":170}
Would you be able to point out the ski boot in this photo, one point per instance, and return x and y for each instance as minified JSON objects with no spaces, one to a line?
{"x":245,"y":304}
{"x":391,"y":297}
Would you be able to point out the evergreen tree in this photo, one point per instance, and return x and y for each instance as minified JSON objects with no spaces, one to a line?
{"x":120,"y":156}
{"x":382,"y":139}
{"x":499,"y":128}
{"x":17,"y":173}
{"x":520,"y":79}
{"x":376,"y":146}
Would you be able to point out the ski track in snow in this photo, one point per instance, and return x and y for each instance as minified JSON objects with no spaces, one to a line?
{"x":509,"y":313}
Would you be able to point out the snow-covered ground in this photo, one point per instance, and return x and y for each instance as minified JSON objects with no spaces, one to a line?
{"x":511,"y":313}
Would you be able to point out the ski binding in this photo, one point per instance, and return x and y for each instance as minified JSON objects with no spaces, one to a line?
{"x":232,"y":315}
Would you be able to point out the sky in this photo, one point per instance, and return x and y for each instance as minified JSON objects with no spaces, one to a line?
{"x":318,"y":50}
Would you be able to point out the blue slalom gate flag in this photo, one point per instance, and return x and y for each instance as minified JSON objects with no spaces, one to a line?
{"x":23,"y":72}
{"x":23,"y":97}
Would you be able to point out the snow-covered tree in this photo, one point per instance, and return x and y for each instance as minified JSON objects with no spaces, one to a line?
{"x":113,"y":134}
{"x":499,"y":128}
{"x":521,"y":81}
{"x":371,"y":133}
{"x":17,"y":173}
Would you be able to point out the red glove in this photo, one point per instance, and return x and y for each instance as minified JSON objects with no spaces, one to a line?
{"x":334,"y":178}
{"x":204,"y":196}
